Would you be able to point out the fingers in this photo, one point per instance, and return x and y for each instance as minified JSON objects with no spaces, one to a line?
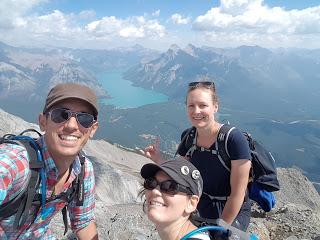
{"x":141,"y":151}
{"x":145,"y":152}
{"x":151,"y":151}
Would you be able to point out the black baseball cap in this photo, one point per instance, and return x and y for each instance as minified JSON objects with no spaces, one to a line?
{"x":180,"y":170}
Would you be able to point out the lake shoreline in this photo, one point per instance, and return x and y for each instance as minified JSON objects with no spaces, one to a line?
{"x":123,"y":94}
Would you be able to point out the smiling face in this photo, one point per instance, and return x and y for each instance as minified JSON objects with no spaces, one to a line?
{"x":65,"y":140}
{"x":201,"y":107}
{"x":164,"y":209}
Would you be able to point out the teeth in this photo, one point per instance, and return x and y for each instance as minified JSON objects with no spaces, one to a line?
{"x":68,"y":137}
{"x":154,"y":203}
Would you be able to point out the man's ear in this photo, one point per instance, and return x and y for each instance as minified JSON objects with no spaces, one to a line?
{"x":192,"y":204}
{"x":94,"y":128}
{"x":42,"y":119}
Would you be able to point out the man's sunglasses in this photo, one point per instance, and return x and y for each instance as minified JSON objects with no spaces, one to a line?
{"x":169,"y":186}
{"x":60,"y":115}
{"x":202,"y":84}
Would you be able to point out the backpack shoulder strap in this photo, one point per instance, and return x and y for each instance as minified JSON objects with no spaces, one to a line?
{"x":188,"y":139}
{"x":80,"y":188}
{"x":76,"y":190}
{"x":222,"y":142}
{"x":21,"y":204}
{"x":35,"y":165}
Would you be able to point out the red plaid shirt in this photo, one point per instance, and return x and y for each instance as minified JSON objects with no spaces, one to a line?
{"x":14,"y":175}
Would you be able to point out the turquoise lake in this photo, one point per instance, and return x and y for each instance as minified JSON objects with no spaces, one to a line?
{"x":124,"y":95}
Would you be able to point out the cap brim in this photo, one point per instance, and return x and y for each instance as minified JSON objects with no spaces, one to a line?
{"x":65,"y":97}
{"x":150,"y":170}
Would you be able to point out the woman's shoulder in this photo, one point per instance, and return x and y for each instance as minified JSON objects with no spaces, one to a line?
{"x":237,"y":145}
{"x":236,"y":135}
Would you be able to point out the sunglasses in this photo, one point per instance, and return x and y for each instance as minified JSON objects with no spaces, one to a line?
{"x":170,"y":187}
{"x":60,"y":115}
{"x":201,"y":84}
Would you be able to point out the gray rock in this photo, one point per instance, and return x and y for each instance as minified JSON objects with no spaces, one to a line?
{"x":119,"y":214}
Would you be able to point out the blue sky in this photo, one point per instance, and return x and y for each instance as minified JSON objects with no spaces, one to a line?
{"x":124,"y":8}
{"x":160,"y":23}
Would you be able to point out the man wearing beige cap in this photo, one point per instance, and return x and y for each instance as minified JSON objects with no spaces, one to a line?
{"x":68,"y":120}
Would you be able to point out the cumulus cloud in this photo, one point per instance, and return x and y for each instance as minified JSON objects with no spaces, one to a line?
{"x":12,"y":12}
{"x":179,"y":19}
{"x":74,"y":29}
{"x":232,"y":23}
{"x":253,"y":17}
{"x":133,"y":27}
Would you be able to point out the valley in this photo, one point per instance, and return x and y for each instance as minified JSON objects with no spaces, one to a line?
{"x":266,"y":92}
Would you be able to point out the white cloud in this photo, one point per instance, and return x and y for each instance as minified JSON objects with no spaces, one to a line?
{"x":133,"y":27}
{"x":132,"y":31}
{"x":251,"y":22}
{"x":232,"y":23}
{"x":12,"y":12}
{"x":179,"y":19}
{"x":72,"y":30}
{"x":253,"y":17}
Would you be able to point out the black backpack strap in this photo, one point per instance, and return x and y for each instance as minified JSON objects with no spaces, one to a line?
{"x":65,"y":219}
{"x":222,"y":145}
{"x":80,"y":188}
{"x":9,"y":208}
{"x":76,"y":190}
{"x":32,"y":131}
{"x":21,"y":204}
{"x":201,"y":221}
{"x":187,"y":141}
{"x":191,"y":142}
{"x":32,"y":187}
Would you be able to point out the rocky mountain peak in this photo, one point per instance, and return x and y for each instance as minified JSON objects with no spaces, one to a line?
{"x":191,"y":50}
{"x":173,"y":51}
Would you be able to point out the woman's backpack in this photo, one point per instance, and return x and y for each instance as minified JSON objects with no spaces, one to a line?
{"x":217,"y":229}
{"x":263,"y":171}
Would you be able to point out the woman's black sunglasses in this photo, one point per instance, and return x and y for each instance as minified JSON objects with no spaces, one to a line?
{"x":60,"y":115}
{"x":200,"y":84}
{"x":169,"y":186}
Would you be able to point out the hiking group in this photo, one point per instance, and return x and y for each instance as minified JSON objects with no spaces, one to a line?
{"x":203,"y":183}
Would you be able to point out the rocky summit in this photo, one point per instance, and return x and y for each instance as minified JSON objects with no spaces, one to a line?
{"x":119,"y":211}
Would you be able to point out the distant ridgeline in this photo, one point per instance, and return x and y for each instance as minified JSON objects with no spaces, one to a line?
{"x":271,"y":93}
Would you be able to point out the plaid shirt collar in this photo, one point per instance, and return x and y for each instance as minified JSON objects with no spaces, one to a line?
{"x":50,"y":166}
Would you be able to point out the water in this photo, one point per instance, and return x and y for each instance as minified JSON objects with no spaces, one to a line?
{"x":124,"y":95}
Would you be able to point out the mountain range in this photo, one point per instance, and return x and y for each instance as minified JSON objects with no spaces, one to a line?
{"x":280,"y":83}
{"x":272,"y":93}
